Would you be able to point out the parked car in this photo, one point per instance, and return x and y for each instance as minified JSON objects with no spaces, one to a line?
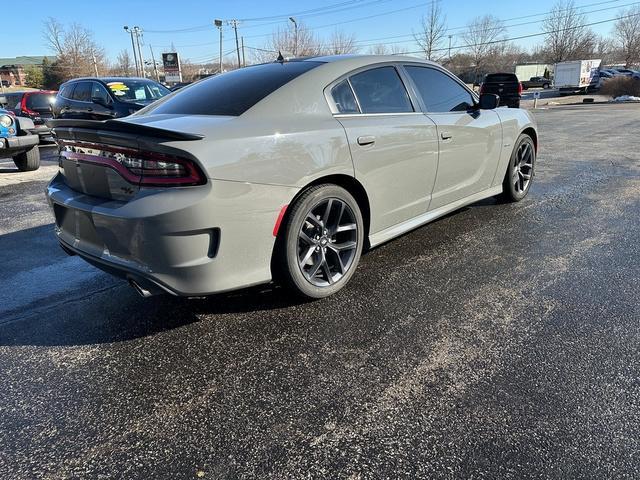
{"x":536,"y":82}
{"x":285,"y":171}
{"x":18,"y":141}
{"x":506,"y":86}
{"x":179,"y":85}
{"x":105,"y":98}
{"x":33,"y":104}
{"x":5,"y":83}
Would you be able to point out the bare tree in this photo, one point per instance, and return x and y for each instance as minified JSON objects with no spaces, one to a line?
{"x":567,"y":37}
{"x":75,"y":49}
{"x":382,"y":49}
{"x":481,"y":37}
{"x":299,"y":41}
{"x":341,"y":43}
{"x":432,"y":32}
{"x":123,"y":63}
{"x":627,"y":33}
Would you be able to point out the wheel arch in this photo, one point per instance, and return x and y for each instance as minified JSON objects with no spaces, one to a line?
{"x":351,"y":185}
{"x":530,"y":131}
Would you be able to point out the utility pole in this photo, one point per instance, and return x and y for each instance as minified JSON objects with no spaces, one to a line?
{"x":95,"y":64}
{"x":295,"y":45}
{"x":155,"y":65}
{"x":235,"y":23}
{"x":133,"y":47}
{"x":218,"y":23}
{"x":138,"y":32}
{"x":450,"y":47}
{"x":244,"y":62}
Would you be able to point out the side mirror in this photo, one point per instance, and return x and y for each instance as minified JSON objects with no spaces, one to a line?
{"x":488,"y":101}
{"x":100,"y":101}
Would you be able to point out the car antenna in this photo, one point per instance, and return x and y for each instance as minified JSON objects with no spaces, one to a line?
{"x":280,"y":58}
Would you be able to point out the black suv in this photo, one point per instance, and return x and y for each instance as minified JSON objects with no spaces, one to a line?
{"x":506,"y":86}
{"x":105,"y":98}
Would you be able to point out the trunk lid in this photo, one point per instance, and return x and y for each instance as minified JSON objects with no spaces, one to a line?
{"x":103,"y":158}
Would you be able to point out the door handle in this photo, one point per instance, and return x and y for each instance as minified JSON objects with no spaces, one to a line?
{"x":366,"y":140}
{"x":89,"y":109}
{"x":446,"y":136}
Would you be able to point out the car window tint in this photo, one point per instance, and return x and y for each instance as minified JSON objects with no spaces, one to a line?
{"x":66,"y":90}
{"x":100,"y":92}
{"x":343,"y":98}
{"x":439,"y":91}
{"x":82,"y":92}
{"x":13,"y":100}
{"x":501,"y":77}
{"x":40,"y":100}
{"x":231,"y":93}
{"x":380,"y":90}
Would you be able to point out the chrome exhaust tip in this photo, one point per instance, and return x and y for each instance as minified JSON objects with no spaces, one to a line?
{"x":143,"y":292}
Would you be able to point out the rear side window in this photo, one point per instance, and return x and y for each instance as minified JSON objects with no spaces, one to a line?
{"x":439,"y":92}
{"x":231,"y":93}
{"x":40,"y":100}
{"x":380,"y":90}
{"x":343,"y":98}
{"x":501,"y":77}
{"x":82,"y":92}
{"x":66,"y":90}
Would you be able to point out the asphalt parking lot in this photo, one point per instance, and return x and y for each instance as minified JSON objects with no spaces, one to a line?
{"x":502,"y":341}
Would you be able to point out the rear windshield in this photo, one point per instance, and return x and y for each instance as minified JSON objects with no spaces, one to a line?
{"x":501,"y":77}
{"x":40,"y":100}
{"x":231,"y":93}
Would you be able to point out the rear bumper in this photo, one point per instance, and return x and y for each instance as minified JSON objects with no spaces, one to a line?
{"x":191,"y":241}
{"x":14,"y":145}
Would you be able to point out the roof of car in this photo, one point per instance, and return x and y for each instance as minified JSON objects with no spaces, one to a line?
{"x":109,"y":79}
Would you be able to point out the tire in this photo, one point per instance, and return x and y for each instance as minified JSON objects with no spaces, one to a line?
{"x":521,"y":165}
{"x":28,"y":161}
{"x":307,"y":259}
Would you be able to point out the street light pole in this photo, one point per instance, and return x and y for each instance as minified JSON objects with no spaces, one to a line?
{"x":133,"y":47}
{"x":218,"y":23}
{"x":295,"y":45}
{"x":450,"y":46}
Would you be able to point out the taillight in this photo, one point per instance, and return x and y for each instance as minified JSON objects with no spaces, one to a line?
{"x":519,"y":87}
{"x":136,"y":166}
{"x":24,"y":108}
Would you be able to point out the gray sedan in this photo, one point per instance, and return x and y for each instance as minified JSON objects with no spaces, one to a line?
{"x":284,"y":171}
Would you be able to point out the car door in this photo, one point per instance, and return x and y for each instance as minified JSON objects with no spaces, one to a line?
{"x":470,"y":140}
{"x":394,"y":147}
{"x":102,"y":103}
{"x":80,"y":102}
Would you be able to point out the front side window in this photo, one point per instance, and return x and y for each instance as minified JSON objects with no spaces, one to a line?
{"x":343,"y":98}
{"x":82,"y":92}
{"x":439,"y":91}
{"x":100,"y":92}
{"x":380,"y":90}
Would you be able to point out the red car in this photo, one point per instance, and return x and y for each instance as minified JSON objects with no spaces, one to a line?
{"x":33,"y":104}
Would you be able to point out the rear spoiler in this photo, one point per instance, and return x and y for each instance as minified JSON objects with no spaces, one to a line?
{"x":72,"y":125}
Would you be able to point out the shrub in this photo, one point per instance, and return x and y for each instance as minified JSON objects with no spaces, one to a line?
{"x":617,"y":86}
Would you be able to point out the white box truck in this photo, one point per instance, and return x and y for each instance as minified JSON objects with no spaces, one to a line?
{"x":576,"y":76}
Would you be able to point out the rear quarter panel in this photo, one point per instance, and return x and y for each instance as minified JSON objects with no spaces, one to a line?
{"x":514,"y":122}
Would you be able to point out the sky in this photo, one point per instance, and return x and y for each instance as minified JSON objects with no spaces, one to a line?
{"x":188,"y":24}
